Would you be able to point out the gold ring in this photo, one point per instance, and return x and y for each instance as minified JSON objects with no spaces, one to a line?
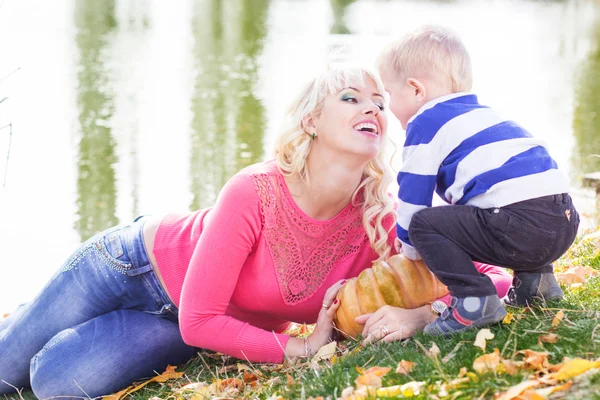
{"x":384,"y":330}
{"x":325,"y":306}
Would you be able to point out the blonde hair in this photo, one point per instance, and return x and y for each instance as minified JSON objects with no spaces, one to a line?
{"x":433,"y":52}
{"x":293,"y":146}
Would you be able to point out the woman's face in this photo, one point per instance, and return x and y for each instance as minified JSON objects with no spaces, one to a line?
{"x":352,"y":121}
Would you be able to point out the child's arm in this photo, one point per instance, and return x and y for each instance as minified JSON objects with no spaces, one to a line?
{"x":417,"y":180}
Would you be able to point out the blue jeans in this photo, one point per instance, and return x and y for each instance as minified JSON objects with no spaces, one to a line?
{"x":102,"y":322}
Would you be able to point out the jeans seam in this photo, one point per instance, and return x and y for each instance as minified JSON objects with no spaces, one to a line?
{"x":53,"y":342}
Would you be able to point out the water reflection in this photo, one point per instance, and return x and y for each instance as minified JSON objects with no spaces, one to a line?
{"x":228,"y":121}
{"x":96,"y":195}
{"x":586,"y":116}
{"x":339,"y":8}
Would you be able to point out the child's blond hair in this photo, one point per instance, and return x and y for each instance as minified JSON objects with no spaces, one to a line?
{"x":432,"y":52}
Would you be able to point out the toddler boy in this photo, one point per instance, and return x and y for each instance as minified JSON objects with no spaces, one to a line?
{"x":508,"y":201}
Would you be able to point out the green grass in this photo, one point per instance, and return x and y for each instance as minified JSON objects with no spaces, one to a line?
{"x":578,"y":332}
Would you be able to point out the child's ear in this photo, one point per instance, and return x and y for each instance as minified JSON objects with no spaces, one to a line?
{"x":417,"y":88}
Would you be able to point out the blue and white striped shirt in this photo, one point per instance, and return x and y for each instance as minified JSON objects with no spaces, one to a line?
{"x":469,"y":155}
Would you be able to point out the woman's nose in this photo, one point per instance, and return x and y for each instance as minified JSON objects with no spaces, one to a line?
{"x":371,"y":110}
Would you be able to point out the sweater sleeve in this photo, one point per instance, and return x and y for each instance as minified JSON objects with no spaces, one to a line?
{"x":417,"y":180}
{"x":229,"y":234}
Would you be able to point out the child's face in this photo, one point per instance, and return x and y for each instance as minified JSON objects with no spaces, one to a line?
{"x":404,"y":103}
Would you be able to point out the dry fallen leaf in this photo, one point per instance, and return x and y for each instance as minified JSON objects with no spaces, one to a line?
{"x":433,"y":351}
{"x":549,"y":338}
{"x":370,"y":380}
{"x":547,"y":391}
{"x":487,"y":362}
{"x":231,"y":383}
{"x":576,"y":275}
{"x":530,"y":394}
{"x":536,"y":360}
{"x":371,"y":377}
{"x":518,"y":389}
{"x":379,"y":371}
{"x":165,"y":376}
{"x":508,"y":319}
{"x":405,"y":367}
{"x":557,"y":318}
{"x":482,"y":336}
{"x":512,"y":367}
{"x":574,"y":367}
{"x":324,"y":353}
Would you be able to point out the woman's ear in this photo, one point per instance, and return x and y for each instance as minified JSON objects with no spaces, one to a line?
{"x":417,"y":87}
{"x":308,"y":123}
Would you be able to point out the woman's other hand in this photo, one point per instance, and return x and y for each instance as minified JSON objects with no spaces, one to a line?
{"x":324,"y":329}
{"x":389,"y":323}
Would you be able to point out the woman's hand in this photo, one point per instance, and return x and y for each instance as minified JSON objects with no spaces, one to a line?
{"x":393,"y":323}
{"x":324,"y":327}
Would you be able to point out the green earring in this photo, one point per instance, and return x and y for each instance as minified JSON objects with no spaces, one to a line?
{"x":313,"y":136}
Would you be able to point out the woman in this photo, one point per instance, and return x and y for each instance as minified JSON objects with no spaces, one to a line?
{"x":276,"y":247}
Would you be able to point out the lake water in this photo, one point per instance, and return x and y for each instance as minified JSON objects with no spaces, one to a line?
{"x":120,"y":108}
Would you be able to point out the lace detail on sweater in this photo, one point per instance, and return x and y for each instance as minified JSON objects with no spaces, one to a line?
{"x":303,"y":251}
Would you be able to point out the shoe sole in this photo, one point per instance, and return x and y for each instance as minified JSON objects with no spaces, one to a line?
{"x":533,"y":300}
{"x":497,"y":316}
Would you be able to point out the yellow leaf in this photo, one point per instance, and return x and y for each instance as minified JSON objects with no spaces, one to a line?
{"x":487,"y":362}
{"x":411,"y":389}
{"x":574,"y":367}
{"x":473,"y":377}
{"x":482,"y":336}
{"x":405,"y":367}
{"x":557,"y":318}
{"x":508,"y":319}
{"x":518,"y":389}
{"x":389,"y":391}
{"x":165,"y":376}
{"x":549,"y":338}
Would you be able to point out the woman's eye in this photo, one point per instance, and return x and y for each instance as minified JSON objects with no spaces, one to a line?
{"x":381,"y":107}
{"x":349,"y":98}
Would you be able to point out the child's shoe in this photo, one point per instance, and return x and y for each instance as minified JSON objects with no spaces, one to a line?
{"x":467,"y":312}
{"x":528,"y":287}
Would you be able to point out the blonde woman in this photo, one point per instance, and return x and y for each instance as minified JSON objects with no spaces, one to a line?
{"x":276,"y":247}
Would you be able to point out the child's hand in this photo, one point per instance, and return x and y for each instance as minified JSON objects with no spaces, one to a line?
{"x":398,"y":246}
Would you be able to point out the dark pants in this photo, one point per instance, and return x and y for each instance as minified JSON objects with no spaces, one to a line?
{"x":525,"y":237}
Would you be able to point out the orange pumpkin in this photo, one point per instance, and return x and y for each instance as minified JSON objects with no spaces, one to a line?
{"x":399,"y":282}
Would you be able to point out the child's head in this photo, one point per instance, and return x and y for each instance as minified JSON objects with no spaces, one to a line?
{"x":427,"y":63}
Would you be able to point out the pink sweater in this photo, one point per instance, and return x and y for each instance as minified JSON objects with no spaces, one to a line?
{"x":260,"y":263}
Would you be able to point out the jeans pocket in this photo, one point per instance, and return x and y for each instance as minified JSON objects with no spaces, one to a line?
{"x":111,"y":249}
{"x":527,"y":244}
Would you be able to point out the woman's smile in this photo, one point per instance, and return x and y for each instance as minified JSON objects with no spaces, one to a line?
{"x":368,"y":127}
